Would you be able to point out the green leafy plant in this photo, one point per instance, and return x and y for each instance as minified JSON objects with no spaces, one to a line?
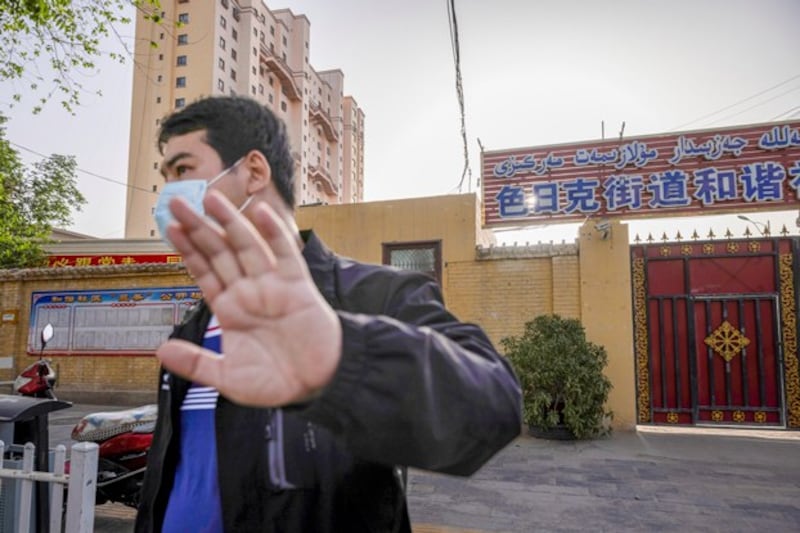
{"x":52,"y":46}
{"x":33,"y":200}
{"x":561,"y":374}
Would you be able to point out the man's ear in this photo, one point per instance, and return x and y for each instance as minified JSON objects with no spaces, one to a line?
{"x":260,"y":171}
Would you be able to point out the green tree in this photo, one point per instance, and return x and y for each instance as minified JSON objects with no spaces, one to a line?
{"x":64,"y":37}
{"x":33,"y":200}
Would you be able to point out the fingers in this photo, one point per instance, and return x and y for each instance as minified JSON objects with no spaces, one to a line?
{"x":191,"y":362}
{"x":203,"y":244}
{"x":253,"y":255}
{"x":280,"y":240}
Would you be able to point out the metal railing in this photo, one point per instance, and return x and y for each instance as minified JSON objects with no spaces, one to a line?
{"x":81,"y":483}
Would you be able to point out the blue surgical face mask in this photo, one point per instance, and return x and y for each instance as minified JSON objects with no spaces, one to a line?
{"x":193,"y":191}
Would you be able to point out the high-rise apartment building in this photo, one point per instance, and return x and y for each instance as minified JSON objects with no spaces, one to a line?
{"x":214,"y":47}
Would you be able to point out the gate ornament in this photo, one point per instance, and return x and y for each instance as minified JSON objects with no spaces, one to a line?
{"x":727,"y":341}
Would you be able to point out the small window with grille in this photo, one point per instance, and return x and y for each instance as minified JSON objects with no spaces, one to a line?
{"x":422,"y":256}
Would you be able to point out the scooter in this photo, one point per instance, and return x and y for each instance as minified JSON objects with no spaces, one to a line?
{"x":124,"y":438}
{"x":38,"y":379}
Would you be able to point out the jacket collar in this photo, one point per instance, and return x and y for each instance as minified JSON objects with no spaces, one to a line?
{"x":321,"y":263}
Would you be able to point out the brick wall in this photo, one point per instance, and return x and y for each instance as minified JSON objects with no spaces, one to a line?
{"x":508,"y":286}
{"x":100,"y":376}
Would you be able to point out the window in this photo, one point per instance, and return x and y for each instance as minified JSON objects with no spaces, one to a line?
{"x":181,"y":61}
{"x":180,"y":102}
{"x":260,"y":89}
{"x":283,"y":106}
{"x":183,"y":38}
{"x":222,"y":42}
{"x":161,"y":36}
{"x":233,"y":74}
{"x":180,"y":81}
{"x":159,"y":78}
{"x":158,"y":99}
{"x":270,"y":98}
{"x":221,"y":85}
{"x":183,"y":1}
{"x":272,"y":30}
{"x":233,"y":54}
{"x":155,"y":188}
{"x":253,"y":70}
{"x":161,"y":57}
{"x":183,"y":18}
{"x":270,"y":81}
{"x":234,"y":34}
{"x":255,"y":32}
{"x":155,"y":166}
{"x":425,"y":257}
{"x":253,"y":89}
{"x":284,"y":40}
{"x":224,"y":4}
{"x":223,"y":22}
{"x":221,"y":63}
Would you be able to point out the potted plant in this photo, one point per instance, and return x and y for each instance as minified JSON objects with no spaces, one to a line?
{"x":561,"y":374}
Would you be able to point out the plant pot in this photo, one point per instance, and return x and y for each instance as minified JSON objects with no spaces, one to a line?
{"x":559,"y":432}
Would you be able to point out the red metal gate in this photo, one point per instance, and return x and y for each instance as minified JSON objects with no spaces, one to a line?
{"x":716,"y":332}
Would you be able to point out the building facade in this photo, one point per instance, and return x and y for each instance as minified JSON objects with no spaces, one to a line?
{"x":226,"y":47}
{"x":135,"y":287}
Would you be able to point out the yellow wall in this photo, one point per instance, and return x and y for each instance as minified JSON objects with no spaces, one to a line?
{"x":607,"y":311}
{"x":360,"y":230}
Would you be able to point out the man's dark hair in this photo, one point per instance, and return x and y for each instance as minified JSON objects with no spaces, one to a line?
{"x":235,"y":125}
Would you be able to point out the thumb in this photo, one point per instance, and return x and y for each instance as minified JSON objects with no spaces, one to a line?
{"x":191,"y":362}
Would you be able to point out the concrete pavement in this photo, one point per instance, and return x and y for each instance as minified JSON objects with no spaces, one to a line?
{"x":631,"y":481}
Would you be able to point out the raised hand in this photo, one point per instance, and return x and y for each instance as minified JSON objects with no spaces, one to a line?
{"x":281,"y":341}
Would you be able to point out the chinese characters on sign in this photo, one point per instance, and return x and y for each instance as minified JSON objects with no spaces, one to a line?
{"x":712,"y":170}
{"x":134,"y":321}
{"x":110,"y":259}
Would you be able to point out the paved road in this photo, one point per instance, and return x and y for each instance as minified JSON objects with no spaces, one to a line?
{"x":641,"y":481}
{"x":629,"y":482}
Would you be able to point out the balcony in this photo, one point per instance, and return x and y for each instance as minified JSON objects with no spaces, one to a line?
{"x":317,"y":174}
{"x":321,"y":117}
{"x":285,"y":75}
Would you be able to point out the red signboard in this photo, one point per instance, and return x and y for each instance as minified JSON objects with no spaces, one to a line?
{"x":110,"y":259}
{"x":720,"y":170}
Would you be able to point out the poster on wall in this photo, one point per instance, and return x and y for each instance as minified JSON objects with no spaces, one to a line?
{"x":715,"y":171}
{"x":108,"y":322}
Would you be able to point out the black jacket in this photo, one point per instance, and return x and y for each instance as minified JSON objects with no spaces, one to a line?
{"x":415,"y":387}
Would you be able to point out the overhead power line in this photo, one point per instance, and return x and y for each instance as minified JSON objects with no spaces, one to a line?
{"x":90,"y":173}
{"x":727,"y":107}
{"x":451,"y":15}
{"x":789,"y":113}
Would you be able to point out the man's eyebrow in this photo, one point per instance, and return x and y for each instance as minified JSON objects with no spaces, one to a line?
{"x":172,"y":160}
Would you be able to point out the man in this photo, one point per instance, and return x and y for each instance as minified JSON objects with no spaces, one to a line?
{"x":294,"y":397}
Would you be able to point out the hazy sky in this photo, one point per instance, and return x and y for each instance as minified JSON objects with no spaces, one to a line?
{"x":534,"y":73}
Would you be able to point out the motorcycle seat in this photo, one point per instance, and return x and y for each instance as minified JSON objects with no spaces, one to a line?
{"x":96,"y":427}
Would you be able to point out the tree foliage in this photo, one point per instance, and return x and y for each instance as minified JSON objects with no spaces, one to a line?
{"x":33,"y":200}
{"x":64,"y":38}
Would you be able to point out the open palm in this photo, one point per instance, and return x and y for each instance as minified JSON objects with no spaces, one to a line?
{"x":280,"y":337}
